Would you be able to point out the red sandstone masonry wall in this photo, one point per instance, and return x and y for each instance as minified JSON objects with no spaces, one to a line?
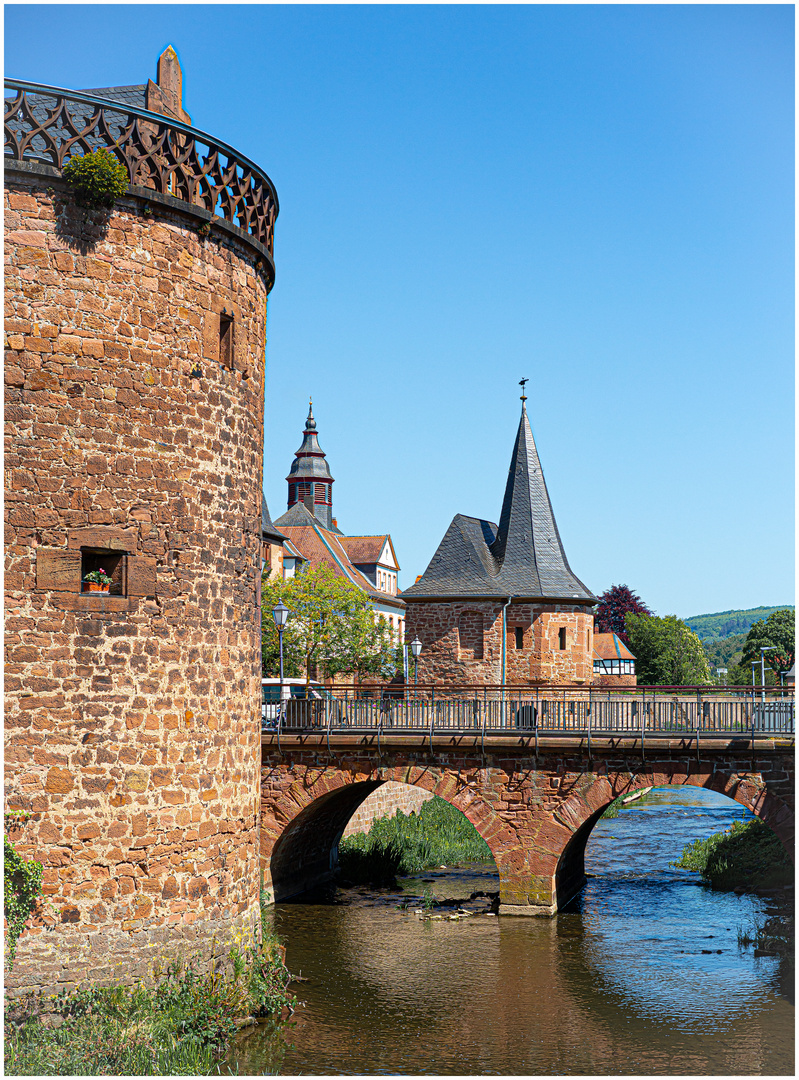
{"x":462,"y":642}
{"x":386,"y":802}
{"x":535,"y":812}
{"x":132,"y":723}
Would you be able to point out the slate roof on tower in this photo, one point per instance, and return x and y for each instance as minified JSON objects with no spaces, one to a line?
{"x":309,"y":461}
{"x":268,"y":530}
{"x":309,"y":479}
{"x":523,"y":556}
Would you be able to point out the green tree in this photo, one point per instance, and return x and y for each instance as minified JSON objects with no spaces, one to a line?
{"x":331,"y":627}
{"x":366,"y":646}
{"x":666,"y":652}
{"x":777,"y":630}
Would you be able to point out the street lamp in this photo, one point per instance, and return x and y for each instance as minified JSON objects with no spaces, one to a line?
{"x":280,"y":613}
{"x":763,"y":650}
{"x":416,"y":648}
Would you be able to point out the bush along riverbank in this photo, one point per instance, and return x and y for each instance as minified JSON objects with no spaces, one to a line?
{"x":183,"y":1023}
{"x":747,"y":857}
{"x":437,"y":835}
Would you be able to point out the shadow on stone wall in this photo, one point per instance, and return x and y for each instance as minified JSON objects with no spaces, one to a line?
{"x":79,"y":227}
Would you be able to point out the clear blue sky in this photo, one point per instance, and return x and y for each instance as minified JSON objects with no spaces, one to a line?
{"x":599,"y":198}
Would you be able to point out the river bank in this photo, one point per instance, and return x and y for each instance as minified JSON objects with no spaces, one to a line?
{"x":183,"y":1023}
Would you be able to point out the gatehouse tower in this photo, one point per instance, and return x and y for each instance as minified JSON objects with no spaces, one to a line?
{"x":499,"y":604}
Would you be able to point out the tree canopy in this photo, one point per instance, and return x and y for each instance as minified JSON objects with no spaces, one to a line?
{"x":615,"y":605}
{"x":777,"y":631}
{"x":331,"y":628}
{"x":666,"y":652}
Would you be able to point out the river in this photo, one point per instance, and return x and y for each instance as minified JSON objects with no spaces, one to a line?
{"x":643,"y":974}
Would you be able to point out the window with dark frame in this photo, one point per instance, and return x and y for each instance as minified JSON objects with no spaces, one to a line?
{"x":111,"y":563}
{"x":226,"y":340}
{"x":519,"y":632}
{"x":562,"y":638}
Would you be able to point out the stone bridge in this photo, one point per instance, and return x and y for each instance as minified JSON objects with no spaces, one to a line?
{"x":535,"y":806}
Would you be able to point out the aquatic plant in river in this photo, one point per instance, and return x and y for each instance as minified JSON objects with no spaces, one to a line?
{"x":438,"y":834}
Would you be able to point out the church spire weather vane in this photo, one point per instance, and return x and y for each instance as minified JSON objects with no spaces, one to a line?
{"x":521,"y":383}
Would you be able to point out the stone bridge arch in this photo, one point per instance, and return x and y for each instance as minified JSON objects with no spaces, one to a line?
{"x":535,"y":810}
{"x":582,"y":810}
{"x":305,"y":809}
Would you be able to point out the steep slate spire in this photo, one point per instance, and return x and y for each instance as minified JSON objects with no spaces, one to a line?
{"x":528,"y":548}
{"x":521,"y":557}
{"x":309,"y":477}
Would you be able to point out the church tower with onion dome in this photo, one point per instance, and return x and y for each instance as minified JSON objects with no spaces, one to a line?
{"x":309,"y":479}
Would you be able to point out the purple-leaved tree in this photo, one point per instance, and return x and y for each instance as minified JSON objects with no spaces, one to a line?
{"x":614,"y":604}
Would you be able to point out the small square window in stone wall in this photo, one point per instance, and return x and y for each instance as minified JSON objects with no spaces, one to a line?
{"x":112,"y":563}
{"x":62,"y":570}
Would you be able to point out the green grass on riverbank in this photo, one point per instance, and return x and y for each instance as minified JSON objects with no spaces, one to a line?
{"x":612,"y":809}
{"x":438,"y":835}
{"x":182,"y":1025}
{"x":748,"y":856}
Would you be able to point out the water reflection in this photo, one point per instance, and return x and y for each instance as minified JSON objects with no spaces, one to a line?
{"x":643,"y":975}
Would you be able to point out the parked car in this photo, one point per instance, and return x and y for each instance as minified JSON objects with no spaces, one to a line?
{"x":295,"y":692}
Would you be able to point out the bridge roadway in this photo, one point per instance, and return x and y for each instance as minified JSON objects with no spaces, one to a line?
{"x":534,"y":797}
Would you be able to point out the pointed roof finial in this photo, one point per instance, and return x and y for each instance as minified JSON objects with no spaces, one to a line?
{"x":310,"y":423}
{"x":521,"y":383}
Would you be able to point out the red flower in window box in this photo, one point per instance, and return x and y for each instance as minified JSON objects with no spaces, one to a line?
{"x":96,"y":581}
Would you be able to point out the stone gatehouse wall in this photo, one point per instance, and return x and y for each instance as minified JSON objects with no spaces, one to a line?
{"x":462,"y":642}
{"x":132,"y":721}
{"x":386,"y":801}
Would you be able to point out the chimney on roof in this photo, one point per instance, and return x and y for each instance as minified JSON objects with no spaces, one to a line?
{"x":166,"y":95}
{"x":335,"y":523}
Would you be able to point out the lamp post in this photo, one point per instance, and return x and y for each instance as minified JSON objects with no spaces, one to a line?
{"x":280,"y":613}
{"x":763,"y":650}
{"x":416,"y":648}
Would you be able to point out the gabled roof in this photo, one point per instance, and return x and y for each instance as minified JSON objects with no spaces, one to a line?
{"x":268,"y":530}
{"x":610,"y":647}
{"x":366,"y":550}
{"x":298,"y":516}
{"x":521,"y":557}
{"x":293,"y":551}
{"x":323,"y":547}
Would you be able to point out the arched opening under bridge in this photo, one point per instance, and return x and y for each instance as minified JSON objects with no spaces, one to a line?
{"x":570,"y":874}
{"x":304,"y":853}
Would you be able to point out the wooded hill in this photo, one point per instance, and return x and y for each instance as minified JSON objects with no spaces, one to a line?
{"x":724,"y":624}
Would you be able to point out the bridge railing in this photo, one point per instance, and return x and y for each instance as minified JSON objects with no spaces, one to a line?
{"x":745,"y":714}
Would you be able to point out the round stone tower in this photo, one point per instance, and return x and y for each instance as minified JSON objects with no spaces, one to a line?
{"x":134,"y":386}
